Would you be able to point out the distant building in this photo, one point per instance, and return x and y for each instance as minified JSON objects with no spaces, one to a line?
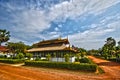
{"x":3,"y":49}
{"x":57,"y":48}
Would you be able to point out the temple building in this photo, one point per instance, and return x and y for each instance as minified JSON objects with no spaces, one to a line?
{"x":57,"y":48}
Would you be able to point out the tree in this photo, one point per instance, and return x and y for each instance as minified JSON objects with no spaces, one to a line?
{"x":108,"y":50}
{"x":78,"y":57}
{"x":110,"y":42}
{"x":20,"y":56}
{"x":118,"y":43}
{"x":29,"y":55}
{"x":118,"y":47}
{"x":83,"y":54}
{"x":82,"y":50}
{"x":4,"y":36}
{"x":17,"y":47}
{"x":48,"y":57}
{"x":67,"y":57}
{"x":93,"y":52}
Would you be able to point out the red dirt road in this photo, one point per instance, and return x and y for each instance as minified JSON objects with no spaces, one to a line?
{"x":112,"y":69}
{"x":8,"y":72}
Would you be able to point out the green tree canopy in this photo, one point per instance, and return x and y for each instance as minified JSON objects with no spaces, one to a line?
{"x":108,"y":50}
{"x":110,"y":42}
{"x":17,"y":47}
{"x":4,"y":36}
{"x":29,"y":55}
{"x":82,"y":50}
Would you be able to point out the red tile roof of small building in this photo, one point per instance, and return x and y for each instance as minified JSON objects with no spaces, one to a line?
{"x":3,"y":48}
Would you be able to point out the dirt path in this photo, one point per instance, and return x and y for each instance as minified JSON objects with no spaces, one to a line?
{"x":8,"y":72}
{"x":112,"y":69}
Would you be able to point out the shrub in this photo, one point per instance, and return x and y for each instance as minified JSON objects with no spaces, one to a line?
{"x":63,"y":65}
{"x":11,"y":61}
{"x":2,"y":56}
{"x":48,"y":57}
{"x":83,"y":54}
{"x":67,"y":58}
{"x":43,"y":60}
{"x":29,"y":55}
{"x":19,"y":56}
{"x":105,"y":55}
{"x":85,"y":60}
{"x":37,"y":58}
{"x":77,"y":57}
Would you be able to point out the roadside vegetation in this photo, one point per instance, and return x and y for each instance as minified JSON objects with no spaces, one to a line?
{"x":109,"y":51}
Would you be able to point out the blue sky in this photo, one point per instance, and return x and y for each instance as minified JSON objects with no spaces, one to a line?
{"x":87,"y":23}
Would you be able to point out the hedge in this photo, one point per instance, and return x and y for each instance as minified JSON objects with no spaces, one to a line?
{"x":85,"y":60}
{"x":63,"y":65}
{"x":12,"y":61}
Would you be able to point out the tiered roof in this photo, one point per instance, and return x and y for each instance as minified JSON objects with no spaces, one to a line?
{"x":51,"y":45}
{"x":54,"y":42}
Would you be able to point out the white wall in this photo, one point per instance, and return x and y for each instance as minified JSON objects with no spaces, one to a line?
{"x":62,"y":59}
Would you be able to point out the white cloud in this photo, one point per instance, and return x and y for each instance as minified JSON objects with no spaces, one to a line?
{"x":30,"y":22}
{"x":56,"y":29}
{"x":38,"y":20}
{"x":91,"y":38}
{"x":75,"y":8}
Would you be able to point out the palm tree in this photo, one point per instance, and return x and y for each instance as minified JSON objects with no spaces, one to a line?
{"x":4,"y":36}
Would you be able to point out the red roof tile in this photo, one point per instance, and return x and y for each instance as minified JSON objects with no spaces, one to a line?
{"x":2,"y":48}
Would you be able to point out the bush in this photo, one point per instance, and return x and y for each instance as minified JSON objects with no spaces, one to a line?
{"x":48,"y":57}
{"x":11,"y":61}
{"x":63,"y":65}
{"x":43,"y":60}
{"x":19,"y":56}
{"x":37,"y":58}
{"x":77,"y":57}
{"x":67,"y":58}
{"x":85,"y":60}
{"x":2,"y":56}
{"x":29,"y":55}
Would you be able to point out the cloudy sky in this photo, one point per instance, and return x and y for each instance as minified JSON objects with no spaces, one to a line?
{"x":87,"y":23}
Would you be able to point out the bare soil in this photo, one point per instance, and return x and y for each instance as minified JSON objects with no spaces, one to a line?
{"x":8,"y":72}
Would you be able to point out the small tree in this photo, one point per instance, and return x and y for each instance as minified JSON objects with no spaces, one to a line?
{"x":48,"y":57}
{"x":67,"y":57}
{"x":77,"y":57}
{"x":83,"y":54}
{"x":37,"y":58}
{"x":29,"y":55}
{"x":54,"y":55}
{"x":20,"y":56}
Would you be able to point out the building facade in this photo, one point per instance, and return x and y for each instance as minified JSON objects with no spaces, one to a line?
{"x":57,"y":48}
